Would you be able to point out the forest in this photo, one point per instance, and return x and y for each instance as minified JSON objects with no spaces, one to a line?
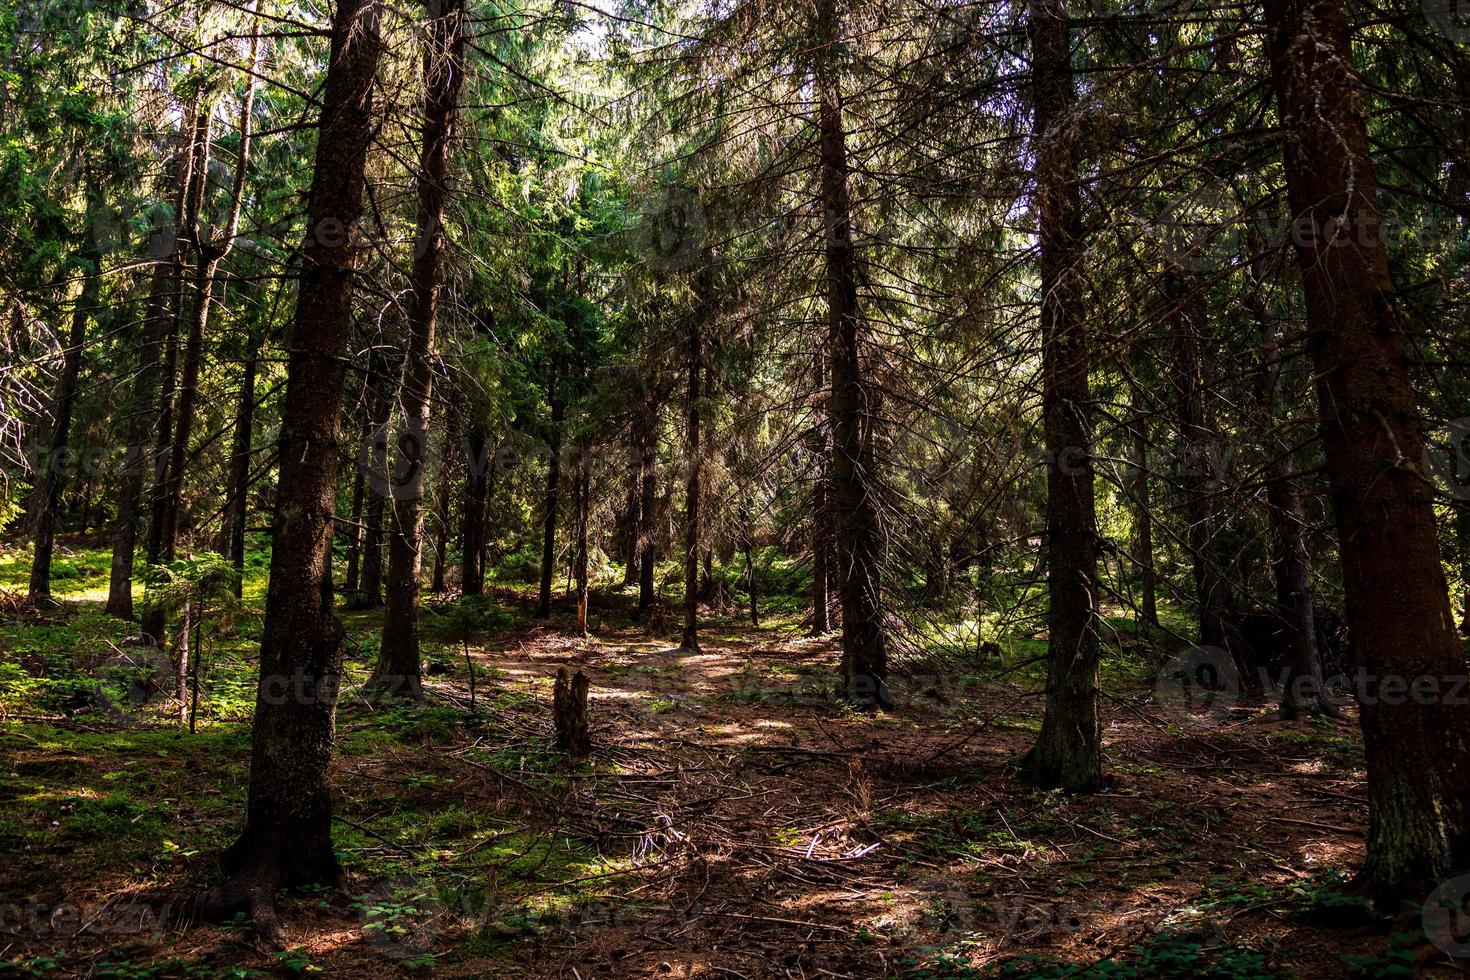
{"x":734,"y":488}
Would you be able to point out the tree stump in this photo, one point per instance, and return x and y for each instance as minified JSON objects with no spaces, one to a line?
{"x":569,"y":705}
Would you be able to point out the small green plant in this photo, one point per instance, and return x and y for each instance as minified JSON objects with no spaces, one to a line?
{"x":296,"y":962}
{"x":198,"y":589}
{"x":1396,"y":960}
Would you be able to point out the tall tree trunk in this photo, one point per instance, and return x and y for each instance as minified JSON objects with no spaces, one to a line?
{"x":853,"y":507}
{"x":690,"y":638}
{"x":152,"y":625}
{"x":147,"y":383}
{"x":632,"y":516}
{"x":548,"y":521}
{"x":1417,"y":748}
{"x":237,"y":508}
{"x":441,"y":520}
{"x":1143,"y":528}
{"x":210,"y":253}
{"x":380,"y":406}
{"x":399,"y":669}
{"x":584,"y":502}
{"x":1068,"y":750}
{"x":747,"y":547}
{"x":287,"y":840}
{"x":1462,"y":539}
{"x":472,"y":528}
{"x":354,"y":539}
{"x":647,"y":510}
{"x":821,"y":519}
{"x":1301,"y":682}
{"x":1200,"y":465}
{"x":205,"y":266}
{"x":58,"y":457}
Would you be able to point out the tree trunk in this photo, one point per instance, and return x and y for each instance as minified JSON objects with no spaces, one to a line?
{"x":287,"y":840}
{"x":1301,"y":683}
{"x":400,"y":670}
{"x":472,"y":528}
{"x":1200,"y":465}
{"x":210,"y":253}
{"x":647,"y":511}
{"x":152,"y":625}
{"x":380,"y":405}
{"x":690,"y":638}
{"x":146,"y":384}
{"x":852,"y":507}
{"x":1143,"y":528}
{"x":181,"y":662}
{"x":1068,"y":750}
{"x":569,"y":710}
{"x":237,"y":495}
{"x":1398,"y":611}
{"x":1462,"y":539}
{"x":354,"y":540}
{"x":584,"y":502}
{"x":441,"y":521}
{"x":149,"y":388}
{"x":747,"y":546}
{"x":548,"y":522}
{"x":821,"y":520}
{"x":58,"y":462}
{"x":632,"y":516}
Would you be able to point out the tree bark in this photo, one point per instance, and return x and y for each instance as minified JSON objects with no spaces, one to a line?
{"x":1417,"y":748}
{"x":354,"y":540}
{"x":146,"y":385}
{"x":1143,"y":529}
{"x":441,"y":521}
{"x":821,"y":539}
{"x":210,"y":253}
{"x":400,"y":670}
{"x":1200,"y":465}
{"x":1068,"y":750}
{"x":1302,"y":691}
{"x":152,"y":625}
{"x":548,"y":521}
{"x":472,"y":528}
{"x":632,"y":516}
{"x":569,"y":710}
{"x":853,"y":507}
{"x":690,"y":637}
{"x":584,"y":503}
{"x":58,"y":457}
{"x":237,"y":493}
{"x":287,"y":839}
{"x":647,"y":510}
{"x":380,"y":406}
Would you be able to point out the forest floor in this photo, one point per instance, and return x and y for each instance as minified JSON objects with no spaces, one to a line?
{"x":733,"y":820}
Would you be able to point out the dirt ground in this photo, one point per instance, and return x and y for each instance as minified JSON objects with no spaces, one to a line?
{"x":732,"y":821}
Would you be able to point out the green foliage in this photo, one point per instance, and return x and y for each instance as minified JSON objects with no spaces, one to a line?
{"x":467,"y":617}
{"x":205,"y":581}
{"x":1396,"y":960}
